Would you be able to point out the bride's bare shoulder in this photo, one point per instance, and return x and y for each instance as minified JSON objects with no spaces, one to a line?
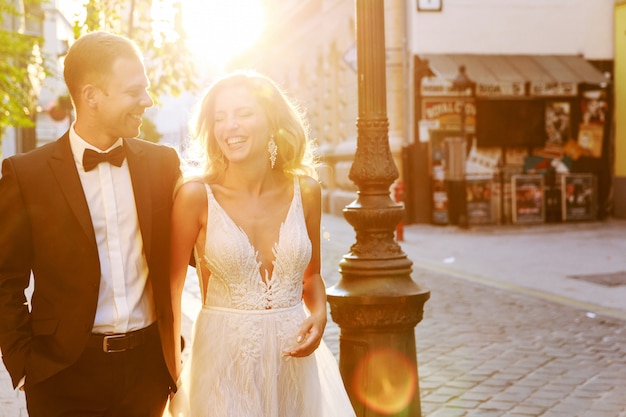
{"x":309,"y":185}
{"x":192,"y":191}
{"x":311,"y":192}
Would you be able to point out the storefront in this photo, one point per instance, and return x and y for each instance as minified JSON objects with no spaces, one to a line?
{"x":534,"y":127}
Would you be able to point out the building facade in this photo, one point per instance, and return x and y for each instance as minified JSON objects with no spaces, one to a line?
{"x":52,"y":115}
{"x":539,"y":70}
{"x":619,"y":185}
{"x":310,"y":49}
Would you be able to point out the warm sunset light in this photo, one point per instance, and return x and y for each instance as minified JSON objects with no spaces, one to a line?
{"x":218,"y":30}
{"x":385,"y":381}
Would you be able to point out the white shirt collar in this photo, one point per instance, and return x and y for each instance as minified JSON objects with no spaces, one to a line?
{"x":79,"y":145}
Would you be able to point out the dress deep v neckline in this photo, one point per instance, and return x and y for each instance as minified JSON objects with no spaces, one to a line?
{"x":255,"y":252}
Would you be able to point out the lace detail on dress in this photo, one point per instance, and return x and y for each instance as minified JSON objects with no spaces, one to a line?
{"x":235,"y":280}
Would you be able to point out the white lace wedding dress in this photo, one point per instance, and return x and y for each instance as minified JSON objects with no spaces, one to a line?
{"x":236,"y":366}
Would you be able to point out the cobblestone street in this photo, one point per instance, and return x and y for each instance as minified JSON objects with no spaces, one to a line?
{"x":485,"y":348}
{"x":484,"y":351}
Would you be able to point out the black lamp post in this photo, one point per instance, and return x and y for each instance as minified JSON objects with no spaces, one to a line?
{"x":456,"y":154}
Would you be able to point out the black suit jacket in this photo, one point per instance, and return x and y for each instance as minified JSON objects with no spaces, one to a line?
{"x":46,"y":229}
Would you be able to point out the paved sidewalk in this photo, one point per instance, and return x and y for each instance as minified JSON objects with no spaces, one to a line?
{"x":536,"y":259}
{"x":506,"y":331}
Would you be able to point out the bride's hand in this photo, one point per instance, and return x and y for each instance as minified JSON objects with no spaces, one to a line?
{"x":309,"y":337}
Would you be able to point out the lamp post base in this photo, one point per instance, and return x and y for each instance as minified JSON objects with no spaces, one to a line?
{"x":377,"y":316}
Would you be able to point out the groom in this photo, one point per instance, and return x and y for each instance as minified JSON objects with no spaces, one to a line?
{"x":89,"y":216}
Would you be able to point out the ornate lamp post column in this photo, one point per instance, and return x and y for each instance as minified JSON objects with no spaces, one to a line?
{"x":376,"y":303}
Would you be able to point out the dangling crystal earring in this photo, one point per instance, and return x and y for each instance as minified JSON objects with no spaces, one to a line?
{"x":273,"y":150}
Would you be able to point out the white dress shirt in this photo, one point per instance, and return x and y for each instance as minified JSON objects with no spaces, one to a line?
{"x":125,"y":298}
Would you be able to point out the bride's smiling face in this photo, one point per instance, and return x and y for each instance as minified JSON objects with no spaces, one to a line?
{"x":241,"y":127}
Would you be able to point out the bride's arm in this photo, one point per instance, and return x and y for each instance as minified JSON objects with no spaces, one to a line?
{"x":188,"y":219}
{"x":314,"y":290}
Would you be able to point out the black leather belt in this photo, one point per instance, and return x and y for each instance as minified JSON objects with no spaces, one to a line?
{"x":120,"y":342}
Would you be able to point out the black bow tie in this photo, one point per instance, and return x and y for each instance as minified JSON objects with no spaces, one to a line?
{"x":92,"y":158}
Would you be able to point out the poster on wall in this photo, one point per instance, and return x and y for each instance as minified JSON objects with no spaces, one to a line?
{"x":594,"y":114}
{"x":557,"y":122}
{"x":440,"y":196}
{"x":527,"y":198}
{"x":594,"y":107}
{"x":579,"y":197}
{"x":479,"y":203}
{"x":437,"y":162}
{"x":590,"y":139}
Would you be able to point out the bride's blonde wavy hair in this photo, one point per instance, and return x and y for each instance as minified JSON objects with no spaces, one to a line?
{"x":286,"y":120}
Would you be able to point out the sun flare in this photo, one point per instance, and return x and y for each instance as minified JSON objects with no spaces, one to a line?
{"x":217,"y":30}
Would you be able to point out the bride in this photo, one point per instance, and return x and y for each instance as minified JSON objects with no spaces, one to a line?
{"x":253,"y":222}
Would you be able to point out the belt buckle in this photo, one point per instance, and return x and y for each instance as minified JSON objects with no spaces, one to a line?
{"x":105,"y":343}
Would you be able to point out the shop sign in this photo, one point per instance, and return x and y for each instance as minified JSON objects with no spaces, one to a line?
{"x":448,"y":111}
{"x":553,"y":88}
{"x":500,"y":89}
{"x":433,"y":87}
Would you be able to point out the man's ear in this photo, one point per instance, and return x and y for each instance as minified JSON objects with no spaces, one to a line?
{"x":90,"y":94}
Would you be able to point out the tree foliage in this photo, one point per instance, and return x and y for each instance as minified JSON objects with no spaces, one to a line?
{"x":22,"y":67}
{"x":149,"y":131}
{"x":162,"y":40}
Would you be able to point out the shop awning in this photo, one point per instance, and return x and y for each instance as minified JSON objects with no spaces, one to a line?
{"x":510,"y":75}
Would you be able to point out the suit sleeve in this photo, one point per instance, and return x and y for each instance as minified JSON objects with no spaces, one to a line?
{"x":15,"y":266}
{"x":175,"y":167}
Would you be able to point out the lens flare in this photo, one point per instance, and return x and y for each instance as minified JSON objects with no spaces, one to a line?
{"x":385,"y":381}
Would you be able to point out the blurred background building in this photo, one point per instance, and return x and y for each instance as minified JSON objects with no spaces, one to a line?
{"x":537,"y":106}
{"x":51,"y":115}
{"x":499,"y":111}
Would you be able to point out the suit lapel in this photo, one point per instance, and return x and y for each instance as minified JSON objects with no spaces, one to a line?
{"x":140,"y":178}
{"x":64,"y":169}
